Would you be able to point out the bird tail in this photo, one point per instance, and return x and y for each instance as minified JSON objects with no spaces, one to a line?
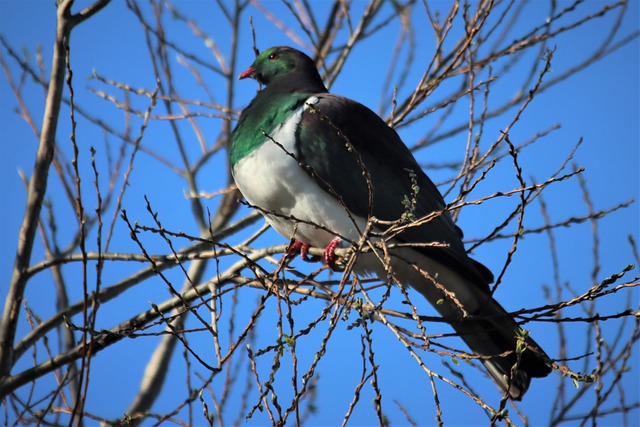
{"x":510,"y":356}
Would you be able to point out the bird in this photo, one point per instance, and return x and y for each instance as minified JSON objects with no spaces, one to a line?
{"x":320,"y":167}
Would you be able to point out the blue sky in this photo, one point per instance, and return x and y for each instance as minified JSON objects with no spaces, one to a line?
{"x":601,"y":105}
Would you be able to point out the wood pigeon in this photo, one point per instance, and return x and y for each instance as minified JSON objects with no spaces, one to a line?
{"x":319,"y":166}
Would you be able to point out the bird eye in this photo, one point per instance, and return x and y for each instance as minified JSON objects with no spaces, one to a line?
{"x":273,"y":57}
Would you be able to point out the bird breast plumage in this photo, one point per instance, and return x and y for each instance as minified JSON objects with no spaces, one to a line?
{"x":271,"y":180}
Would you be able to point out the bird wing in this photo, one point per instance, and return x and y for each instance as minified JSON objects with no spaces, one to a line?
{"x":356,"y":157}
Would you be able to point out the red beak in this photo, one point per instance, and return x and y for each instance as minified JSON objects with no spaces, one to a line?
{"x":247,"y":73}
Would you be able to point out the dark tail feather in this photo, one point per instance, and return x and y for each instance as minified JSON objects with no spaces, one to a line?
{"x":494,"y":333}
{"x":481,"y":322}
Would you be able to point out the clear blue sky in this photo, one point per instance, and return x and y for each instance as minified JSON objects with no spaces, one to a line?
{"x":600,"y":104}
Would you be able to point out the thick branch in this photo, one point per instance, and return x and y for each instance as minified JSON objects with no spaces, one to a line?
{"x":36,"y":191}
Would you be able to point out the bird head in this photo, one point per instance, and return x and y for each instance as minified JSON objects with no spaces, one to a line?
{"x":282,"y":62}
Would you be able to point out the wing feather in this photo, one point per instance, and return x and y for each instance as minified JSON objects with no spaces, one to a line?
{"x":356,"y":156}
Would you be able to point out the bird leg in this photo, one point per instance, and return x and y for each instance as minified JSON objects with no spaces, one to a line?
{"x":329,"y":255}
{"x":298,"y":247}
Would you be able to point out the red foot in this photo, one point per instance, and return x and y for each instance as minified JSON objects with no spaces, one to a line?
{"x":298,"y":247}
{"x":329,"y":254}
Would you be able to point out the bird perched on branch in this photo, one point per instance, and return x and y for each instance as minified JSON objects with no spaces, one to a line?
{"x":321,"y":167}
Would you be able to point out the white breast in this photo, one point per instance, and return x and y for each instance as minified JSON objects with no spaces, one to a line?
{"x":271,"y":180}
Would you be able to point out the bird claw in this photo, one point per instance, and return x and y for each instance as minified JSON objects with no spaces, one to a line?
{"x":297,"y":247}
{"x":329,"y":254}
